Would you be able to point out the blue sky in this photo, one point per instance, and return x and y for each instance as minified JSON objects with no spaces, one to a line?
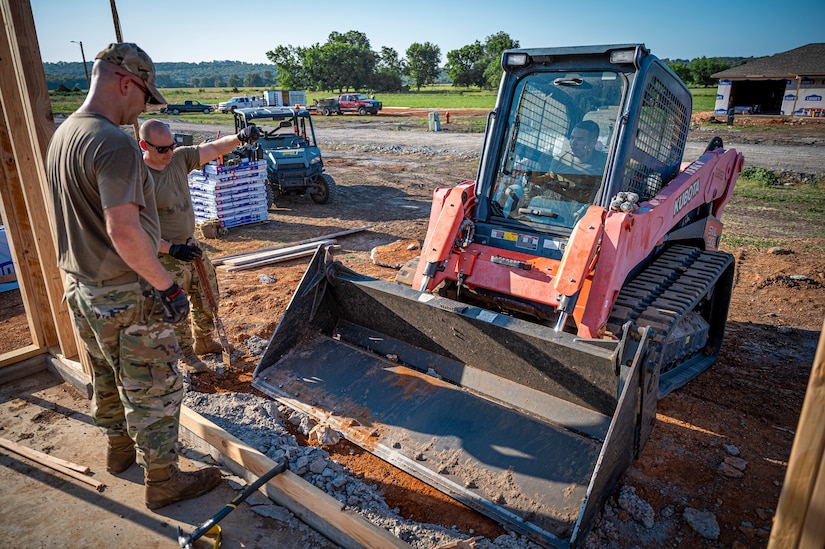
{"x":245,"y":30}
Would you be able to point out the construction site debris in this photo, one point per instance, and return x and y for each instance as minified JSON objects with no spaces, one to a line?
{"x":731,"y":449}
{"x":225,"y":259}
{"x":467,"y":543}
{"x":396,"y":254}
{"x":277,"y":254}
{"x":324,"y":435}
{"x":287,"y":254}
{"x":732,"y":467}
{"x":702,"y":522}
{"x":73,"y":470}
{"x":313,"y":506}
{"x":259,"y":423}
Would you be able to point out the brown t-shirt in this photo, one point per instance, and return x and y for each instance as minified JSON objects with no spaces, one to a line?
{"x":177,"y":217}
{"x":583,"y":178}
{"x":92,"y":165}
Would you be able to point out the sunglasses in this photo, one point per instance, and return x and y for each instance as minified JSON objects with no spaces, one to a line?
{"x":163,"y":149}
{"x":147,"y":95}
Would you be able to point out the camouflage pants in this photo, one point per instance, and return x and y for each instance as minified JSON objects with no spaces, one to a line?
{"x":186,"y":276}
{"x":138,"y":389}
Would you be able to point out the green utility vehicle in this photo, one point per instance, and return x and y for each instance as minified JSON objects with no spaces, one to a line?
{"x":293,"y":159}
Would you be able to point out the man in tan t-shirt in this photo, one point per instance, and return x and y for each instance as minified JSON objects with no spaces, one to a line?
{"x":123,"y":301}
{"x":169,"y":167}
{"x":578,"y":172}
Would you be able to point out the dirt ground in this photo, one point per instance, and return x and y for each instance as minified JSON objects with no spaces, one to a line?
{"x":746,"y":406}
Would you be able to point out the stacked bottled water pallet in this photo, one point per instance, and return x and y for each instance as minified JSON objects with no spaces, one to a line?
{"x":234,"y":195}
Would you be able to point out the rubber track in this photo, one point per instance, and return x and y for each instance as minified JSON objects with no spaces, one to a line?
{"x":667,"y":290}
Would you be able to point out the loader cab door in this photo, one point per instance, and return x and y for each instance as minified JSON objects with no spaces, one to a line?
{"x":555,"y":150}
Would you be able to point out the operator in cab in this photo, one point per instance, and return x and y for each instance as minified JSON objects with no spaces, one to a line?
{"x":576,"y":174}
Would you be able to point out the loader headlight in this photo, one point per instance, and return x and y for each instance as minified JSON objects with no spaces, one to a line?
{"x":315,"y":160}
{"x":622,"y":56}
{"x":516,"y":59}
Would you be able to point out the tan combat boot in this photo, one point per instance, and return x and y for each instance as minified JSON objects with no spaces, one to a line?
{"x":166,"y":486}
{"x":206,"y":345}
{"x":191,"y":362}
{"x":120,"y":453}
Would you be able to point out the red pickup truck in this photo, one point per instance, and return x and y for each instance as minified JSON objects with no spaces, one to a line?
{"x":347,"y":102}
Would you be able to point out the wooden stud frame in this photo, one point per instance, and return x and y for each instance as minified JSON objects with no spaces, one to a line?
{"x":26,"y":126}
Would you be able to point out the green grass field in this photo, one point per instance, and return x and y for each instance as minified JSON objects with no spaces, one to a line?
{"x":759,"y":192}
{"x":704,"y":99}
{"x":442,"y":97}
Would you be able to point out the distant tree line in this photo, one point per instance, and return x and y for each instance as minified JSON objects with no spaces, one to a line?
{"x":698,"y":71}
{"x":208,"y":74}
{"x":346,"y":61}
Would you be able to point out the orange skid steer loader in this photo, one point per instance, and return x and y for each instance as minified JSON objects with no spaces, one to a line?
{"x":516,"y":365}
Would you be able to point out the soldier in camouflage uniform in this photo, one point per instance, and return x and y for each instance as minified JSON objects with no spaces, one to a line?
{"x":123,"y":301}
{"x":169,"y":167}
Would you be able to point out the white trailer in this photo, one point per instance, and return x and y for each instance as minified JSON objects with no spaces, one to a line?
{"x":285,"y":98}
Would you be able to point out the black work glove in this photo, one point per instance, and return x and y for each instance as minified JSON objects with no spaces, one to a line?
{"x":175,"y":304}
{"x":249,"y":134}
{"x":185,"y":252}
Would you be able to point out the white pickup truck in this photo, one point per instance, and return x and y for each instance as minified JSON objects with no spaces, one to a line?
{"x":241,"y":102}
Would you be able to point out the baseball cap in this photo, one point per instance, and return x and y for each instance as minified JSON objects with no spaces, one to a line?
{"x":136,"y":61}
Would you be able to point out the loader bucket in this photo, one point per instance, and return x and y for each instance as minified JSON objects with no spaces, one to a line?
{"x":527,"y":425}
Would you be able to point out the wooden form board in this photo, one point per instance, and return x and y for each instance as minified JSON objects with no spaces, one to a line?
{"x":26,"y":125}
{"x":799,"y":515}
{"x":310,"y":504}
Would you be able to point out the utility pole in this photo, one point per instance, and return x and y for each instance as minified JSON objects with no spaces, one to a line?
{"x":83,"y":55}
{"x":116,"y":21}
{"x":119,"y":38}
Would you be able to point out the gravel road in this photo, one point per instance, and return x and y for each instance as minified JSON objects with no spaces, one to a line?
{"x":804,"y":157}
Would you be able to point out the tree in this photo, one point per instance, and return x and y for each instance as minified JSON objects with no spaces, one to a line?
{"x":479,"y":64}
{"x":384,"y":82}
{"x":344,"y":61}
{"x":252,"y":80}
{"x":494,"y":46}
{"x":218,"y":82}
{"x":289,"y":64}
{"x":388,"y":62}
{"x":345,"y":67}
{"x":703,"y":67}
{"x":350,"y":59}
{"x":234,"y":81}
{"x":465,"y":66}
{"x":354,"y":38}
{"x":422,"y":62}
{"x":317,"y":74}
{"x":195,"y":82}
{"x":682,"y":71}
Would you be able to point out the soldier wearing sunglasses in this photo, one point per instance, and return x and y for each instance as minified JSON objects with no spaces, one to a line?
{"x":169,"y":166}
